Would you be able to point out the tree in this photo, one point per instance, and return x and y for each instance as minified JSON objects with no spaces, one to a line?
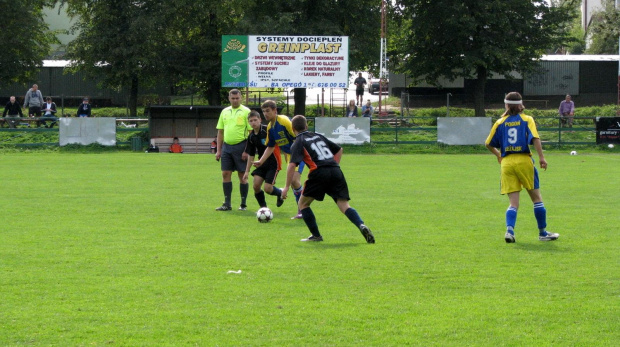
{"x":192,"y":42}
{"x":118,"y":42}
{"x":605,"y":30}
{"x":25,"y":38}
{"x":358,"y":19}
{"x":472,"y":38}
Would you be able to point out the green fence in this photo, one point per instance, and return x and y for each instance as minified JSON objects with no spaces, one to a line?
{"x":423,"y":130}
{"x":384,"y":130}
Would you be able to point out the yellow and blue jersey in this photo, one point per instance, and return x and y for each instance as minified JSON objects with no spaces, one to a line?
{"x":280,"y":133}
{"x":513,"y":134}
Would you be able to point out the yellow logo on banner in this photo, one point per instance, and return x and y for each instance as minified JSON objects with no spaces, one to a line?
{"x":234,"y":45}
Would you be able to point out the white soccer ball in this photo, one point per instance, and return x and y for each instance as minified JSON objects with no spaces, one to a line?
{"x":264,"y":215}
{"x":573,"y":153}
{"x":611,"y":145}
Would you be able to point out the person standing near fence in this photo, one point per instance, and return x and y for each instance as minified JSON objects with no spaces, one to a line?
{"x":567,"y":111}
{"x":232,"y":131}
{"x":14,"y":110}
{"x":34,"y":101}
{"x":509,"y":140}
{"x":359,"y":82}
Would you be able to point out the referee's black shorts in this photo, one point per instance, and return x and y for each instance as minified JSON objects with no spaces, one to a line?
{"x":326,"y":180}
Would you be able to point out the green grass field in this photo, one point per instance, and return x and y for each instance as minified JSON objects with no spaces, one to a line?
{"x":125,"y":249}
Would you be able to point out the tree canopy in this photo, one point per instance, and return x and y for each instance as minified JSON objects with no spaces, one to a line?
{"x":605,"y":30}
{"x":25,"y":38}
{"x":179,"y":41}
{"x":472,"y":38}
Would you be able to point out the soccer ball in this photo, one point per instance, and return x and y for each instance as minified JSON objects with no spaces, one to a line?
{"x":611,"y":145}
{"x":573,"y":153}
{"x":264,"y":215}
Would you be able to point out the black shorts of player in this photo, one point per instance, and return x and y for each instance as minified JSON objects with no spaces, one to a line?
{"x":359,"y":92}
{"x":268,"y":172}
{"x":231,"y":157}
{"x":326,"y":180}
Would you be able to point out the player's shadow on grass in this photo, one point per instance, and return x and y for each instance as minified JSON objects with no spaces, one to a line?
{"x":538,"y":246}
{"x":328,"y":245}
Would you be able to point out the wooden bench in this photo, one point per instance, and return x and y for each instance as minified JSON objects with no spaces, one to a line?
{"x":190,"y":144}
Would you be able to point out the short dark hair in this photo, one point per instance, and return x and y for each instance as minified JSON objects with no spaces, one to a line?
{"x":269,"y":104}
{"x":299,"y":123}
{"x":254,"y":113}
{"x":234,"y":91}
{"x":48,"y":98}
{"x":175,"y":138}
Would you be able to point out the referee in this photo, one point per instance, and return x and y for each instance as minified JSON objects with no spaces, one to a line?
{"x":232,"y":130}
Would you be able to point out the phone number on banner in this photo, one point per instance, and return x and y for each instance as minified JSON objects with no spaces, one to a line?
{"x":307,"y":85}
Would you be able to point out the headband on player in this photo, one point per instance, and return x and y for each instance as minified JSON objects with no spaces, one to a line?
{"x":513,"y":102}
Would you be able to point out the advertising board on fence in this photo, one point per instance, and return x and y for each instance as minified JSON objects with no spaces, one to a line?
{"x":607,"y":130}
{"x":285,"y":61}
{"x":84,"y":131}
{"x":344,"y":131}
{"x":463,"y":130}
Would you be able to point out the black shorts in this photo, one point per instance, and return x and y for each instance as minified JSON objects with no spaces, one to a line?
{"x":359,"y":92}
{"x":326,"y":180}
{"x":231,"y":157}
{"x":267,"y":172}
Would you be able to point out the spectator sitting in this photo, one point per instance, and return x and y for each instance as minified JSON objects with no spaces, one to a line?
{"x":567,"y":111}
{"x":175,"y":147}
{"x":214,"y":145}
{"x":351,"y":109}
{"x":85,"y":109}
{"x":49,"y":114}
{"x":367,"y":110}
{"x":14,"y":110}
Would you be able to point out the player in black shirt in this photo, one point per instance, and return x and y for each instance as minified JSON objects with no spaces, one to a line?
{"x":322,"y":156}
{"x":267,"y":172}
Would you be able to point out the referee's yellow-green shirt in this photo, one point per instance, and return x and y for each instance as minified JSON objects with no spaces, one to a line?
{"x":234,"y":122}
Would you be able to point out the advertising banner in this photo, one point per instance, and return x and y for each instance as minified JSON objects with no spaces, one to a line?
{"x":463,"y":130}
{"x":607,"y":130}
{"x":85,"y":131}
{"x":235,"y":61}
{"x":344,"y":131}
{"x":285,"y":61}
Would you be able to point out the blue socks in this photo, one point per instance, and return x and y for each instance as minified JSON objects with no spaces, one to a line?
{"x":353,"y":216}
{"x":540,"y":212}
{"x":511,"y":219}
{"x":310,"y":221}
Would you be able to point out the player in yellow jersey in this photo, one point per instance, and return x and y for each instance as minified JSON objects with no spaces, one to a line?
{"x":509,"y":140}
